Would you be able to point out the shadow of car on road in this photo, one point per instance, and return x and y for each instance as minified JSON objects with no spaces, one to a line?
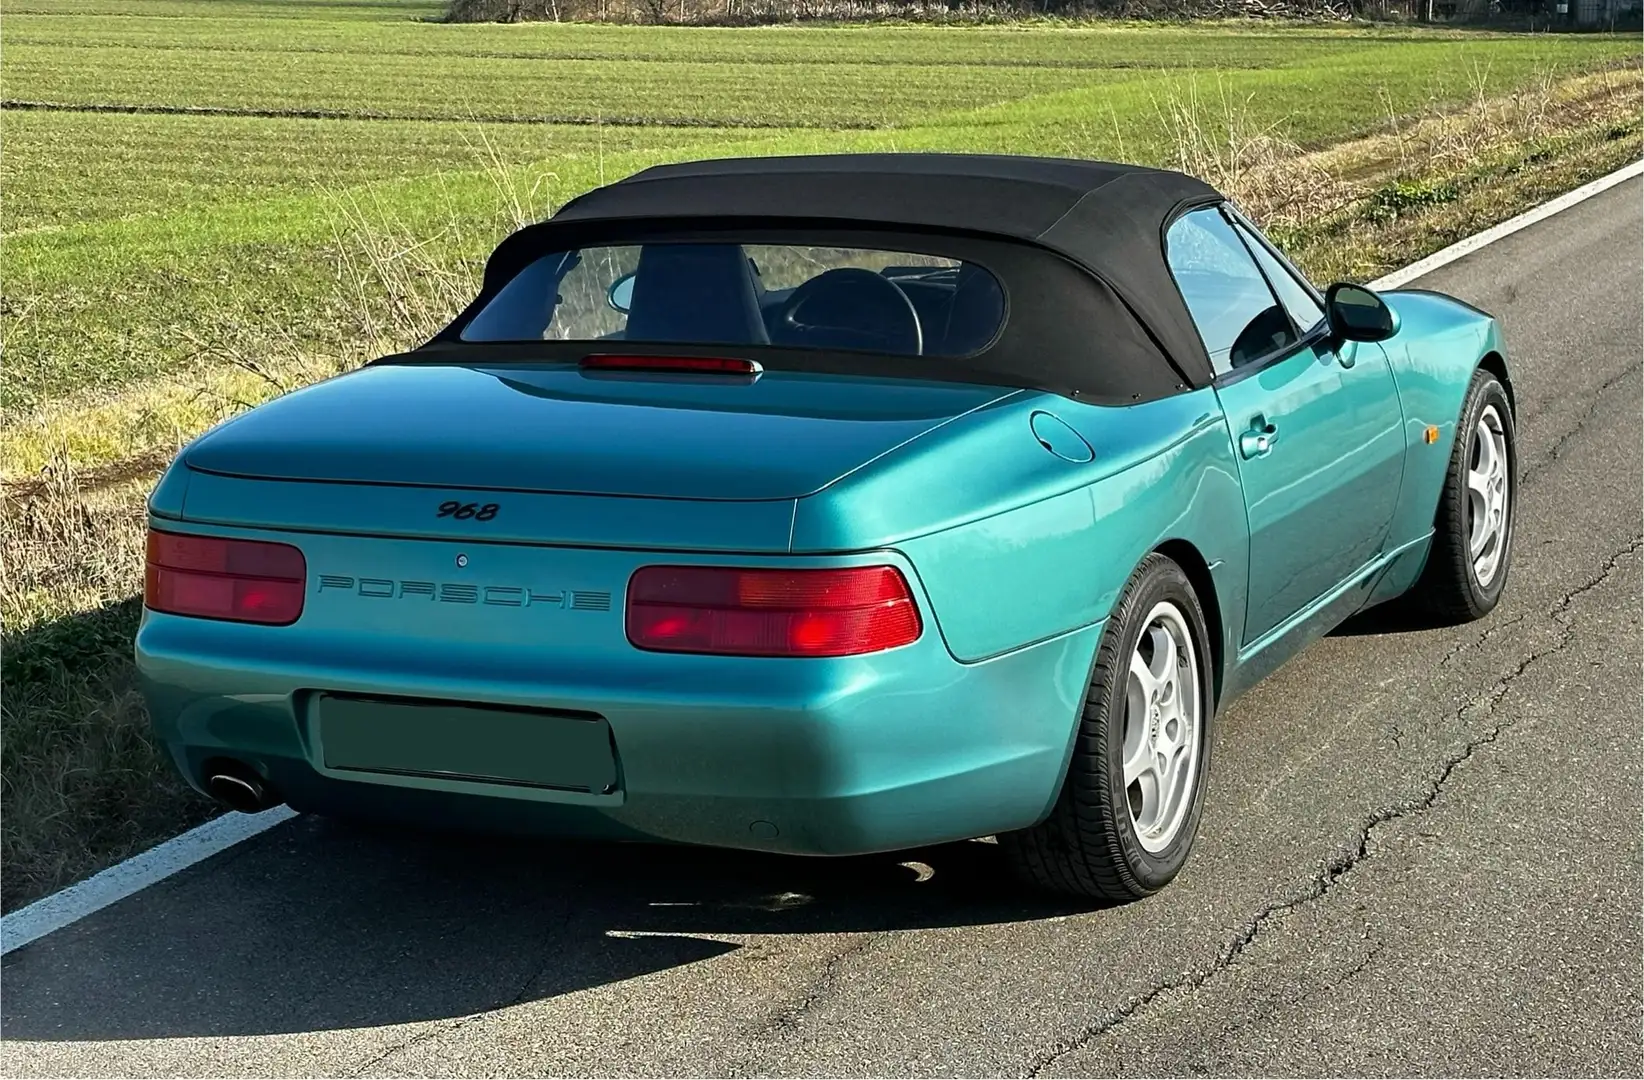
{"x":1389,"y":618}
{"x":320,"y":925}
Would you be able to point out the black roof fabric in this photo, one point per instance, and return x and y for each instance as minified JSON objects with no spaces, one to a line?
{"x":1078,"y":246}
{"x":1108,"y":218}
{"x":1015,"y":196}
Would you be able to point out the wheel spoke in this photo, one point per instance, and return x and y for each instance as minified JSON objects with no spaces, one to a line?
{"x":1172,"y":766}
{"x":1139,"y":761}
{"x":1164,"y":657}
{"x":1483,"y":530}
{"x":1144,"y":679}
{"x":1486,"y":440}
{"x":1478,"y":482}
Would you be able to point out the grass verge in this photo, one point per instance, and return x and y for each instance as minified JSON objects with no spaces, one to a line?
{"x":83,"y":786}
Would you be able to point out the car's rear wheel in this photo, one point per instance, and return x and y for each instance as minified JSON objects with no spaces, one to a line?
{"x":1473,"y":530}
{"x":1129,"y":806}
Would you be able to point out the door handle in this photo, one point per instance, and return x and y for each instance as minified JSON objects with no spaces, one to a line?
{"x":1259,"y":440}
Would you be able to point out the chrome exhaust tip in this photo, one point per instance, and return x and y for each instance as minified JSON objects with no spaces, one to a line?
{"x":241,"y":790}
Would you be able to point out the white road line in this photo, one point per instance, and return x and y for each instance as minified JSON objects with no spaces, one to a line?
{"x":1462,"y":248}
{"x":179,"y":853}
{"x":134,"y":875}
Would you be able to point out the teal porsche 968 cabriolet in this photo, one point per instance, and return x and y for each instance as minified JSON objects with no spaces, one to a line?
{"x":827,"y":505}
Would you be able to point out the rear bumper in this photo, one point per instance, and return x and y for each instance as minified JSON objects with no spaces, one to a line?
{"x":826,"y":757}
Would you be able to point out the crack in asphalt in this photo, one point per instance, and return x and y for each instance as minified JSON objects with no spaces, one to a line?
{"x":414,"y":1040}
{"x":789,"y":1018}
{"x":1345,"y":860}
{"x":1633,"y":547}
{"x":1599,"y":397}
{"x":1272,"y":1006}
{"x":1478,"y":642}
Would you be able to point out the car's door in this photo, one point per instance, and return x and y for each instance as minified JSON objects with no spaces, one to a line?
{"x":1316,"y":422}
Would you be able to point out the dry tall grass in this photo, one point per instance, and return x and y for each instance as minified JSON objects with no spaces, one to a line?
{"x":399,"y":282}
{"x":80,"y":782}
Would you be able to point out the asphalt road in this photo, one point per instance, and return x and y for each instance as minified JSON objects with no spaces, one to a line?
{"x":1421,"y":854}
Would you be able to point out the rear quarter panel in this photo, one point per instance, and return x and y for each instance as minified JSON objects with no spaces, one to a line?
{"x":1015,"y":545}
{"x":1440,"y":343}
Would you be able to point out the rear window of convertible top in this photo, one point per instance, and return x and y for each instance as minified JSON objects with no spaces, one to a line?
{"x":898,"y":303}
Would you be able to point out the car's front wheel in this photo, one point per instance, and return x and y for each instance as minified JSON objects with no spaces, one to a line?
{"x":1473,"y":531}
{"x":1129,"y":806}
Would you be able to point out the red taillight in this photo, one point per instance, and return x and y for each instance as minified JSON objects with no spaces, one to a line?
{"x":712,"y":365}
{"x":734,"y":612}
{"x":211,"y":577}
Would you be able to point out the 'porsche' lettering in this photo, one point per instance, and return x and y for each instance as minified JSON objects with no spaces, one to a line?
{"x":451,"y":592}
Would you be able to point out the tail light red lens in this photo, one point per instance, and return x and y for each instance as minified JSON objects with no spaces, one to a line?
{"x":212,"y":577}
{"x":735,"y":612}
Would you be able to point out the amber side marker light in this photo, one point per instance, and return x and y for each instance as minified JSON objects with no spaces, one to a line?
{"x":1431,"y":435}
{"x":213,"y":577}
{"x":845,"y":611}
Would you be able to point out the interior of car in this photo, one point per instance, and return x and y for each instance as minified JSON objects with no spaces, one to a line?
{"x":719,"y":293}
{"x":716,"y":293}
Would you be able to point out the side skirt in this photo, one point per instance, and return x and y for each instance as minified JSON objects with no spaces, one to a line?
{"x":1383,"y":578}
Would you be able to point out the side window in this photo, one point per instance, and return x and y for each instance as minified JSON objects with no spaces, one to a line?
{"x":1235,"y":312}
{"x":1304,"y":311}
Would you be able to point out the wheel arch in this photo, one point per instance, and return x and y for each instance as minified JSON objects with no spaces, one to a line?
{"x":1496,"y":364}
{"x":1185,"y":555}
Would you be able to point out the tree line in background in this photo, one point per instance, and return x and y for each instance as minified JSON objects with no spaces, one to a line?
{"x":1540,"y":13}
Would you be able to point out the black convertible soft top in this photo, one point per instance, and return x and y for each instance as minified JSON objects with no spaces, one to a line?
{"x":1108,"y":219}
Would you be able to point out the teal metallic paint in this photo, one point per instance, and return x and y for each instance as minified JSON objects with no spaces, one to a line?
{"x":1403,"y":568}
{"x":1059,"y":562}
{"x":857,"y":754}
{"x":979,"y":575}
{"x":1054,"y":435}
{"x":1321,"y":499}
{"x":168,"y":496}
{"x":551,"y":428}
{"x":1433,"y":359}
{"x":1015,"y":552}
{"x":1267,"y":654}
{"x":524,"y":518}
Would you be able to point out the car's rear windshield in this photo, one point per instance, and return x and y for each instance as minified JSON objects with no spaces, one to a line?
{"x":901,"y":303}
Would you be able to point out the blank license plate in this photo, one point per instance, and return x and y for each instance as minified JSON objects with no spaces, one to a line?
{"x":467,"y":742}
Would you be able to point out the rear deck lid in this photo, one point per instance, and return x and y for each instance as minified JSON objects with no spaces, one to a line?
{"x":554,"y":428}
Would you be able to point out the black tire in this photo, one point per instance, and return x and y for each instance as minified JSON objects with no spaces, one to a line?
{"x":1449,"y":590}
{"x":1088,"y":846}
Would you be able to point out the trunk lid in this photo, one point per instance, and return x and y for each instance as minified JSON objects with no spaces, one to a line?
{"x":550,"y":429}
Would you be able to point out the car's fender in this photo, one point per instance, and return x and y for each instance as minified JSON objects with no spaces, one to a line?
{"x":1160,"y":473}
{"x":1440,"y":344}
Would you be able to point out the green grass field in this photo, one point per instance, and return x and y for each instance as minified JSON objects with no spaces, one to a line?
{"x":129,"y":231}
{"x":204,"y":202}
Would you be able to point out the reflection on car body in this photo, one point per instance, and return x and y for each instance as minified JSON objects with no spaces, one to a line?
{"x":889,"y":499}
